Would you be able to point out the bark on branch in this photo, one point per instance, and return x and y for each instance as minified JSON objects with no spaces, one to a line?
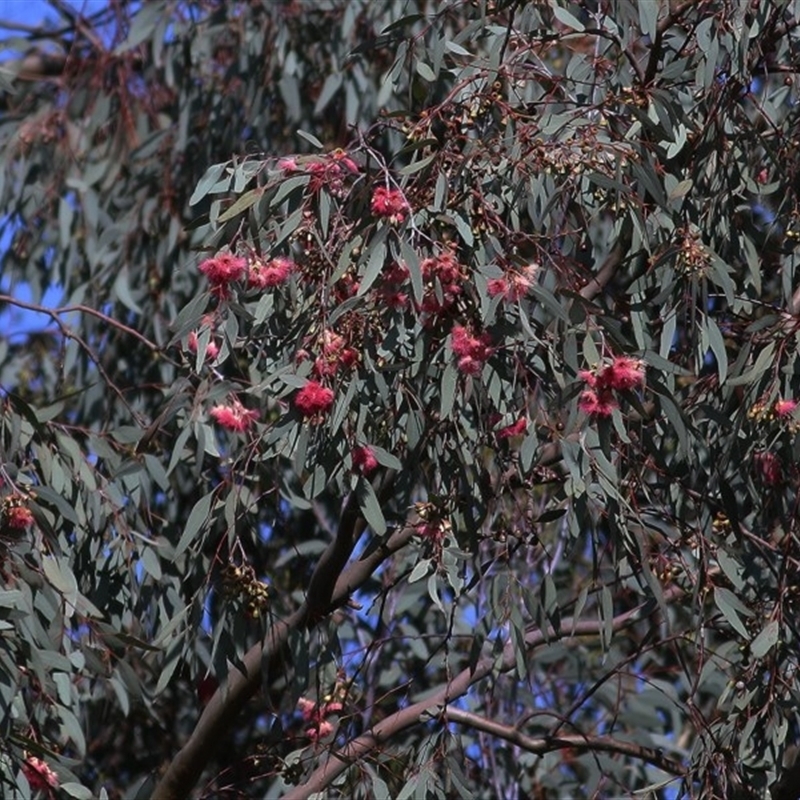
{"x":547,"y":744}
{"x":334,"y":583}
{"x":437,"y":703}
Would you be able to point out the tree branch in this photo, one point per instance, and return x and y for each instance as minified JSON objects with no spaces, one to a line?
{"x":264,"y":658}
{"x":56,"y":313}
{"x":436,"y":703}
{"x":540,"y":746}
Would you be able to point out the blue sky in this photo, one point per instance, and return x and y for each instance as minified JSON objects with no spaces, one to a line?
{"x":32,"y":12}
{"x":15,"y":322}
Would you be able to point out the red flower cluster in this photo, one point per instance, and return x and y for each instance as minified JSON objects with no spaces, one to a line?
{"x":472,"y":351}
{"x":785,"y":408}
{"x":39,"y":776}
{"x":313,"y":398}
{"x":623,"y":374}
{"x":315,"y":714}
{"x":223,"y":269}
{"x":212,"y":350}
{"x":389,"y":203}
{"x":264,"y":275}
{"x":769,"y":468}
{"x":514,"y":286}
{"x":515,"y":429}
{"x":16,"y":515}
{"x":364,"y":460}
{"x":234,"y":417}
{"x":335,"y":355}
{"x":393,"y":279}
{"x":330,"y":172}
{"x":445,"y":269}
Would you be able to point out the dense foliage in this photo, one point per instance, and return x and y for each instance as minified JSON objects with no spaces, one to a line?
{"x":417,"y":413}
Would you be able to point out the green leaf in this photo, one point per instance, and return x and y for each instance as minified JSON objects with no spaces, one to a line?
{"x":448,"y":390}
{"x":197,"y":520}
{"x":566,"y":18}
{"x":212,"y":175}
{"x":244,"y":202}
{"x":370,"y":507}
{"x":765,"y":640}
{"x":731,"y":607}
{"x":76,"y":790}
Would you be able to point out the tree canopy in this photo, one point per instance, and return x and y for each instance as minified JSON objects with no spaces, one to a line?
{"x":407,"y":404}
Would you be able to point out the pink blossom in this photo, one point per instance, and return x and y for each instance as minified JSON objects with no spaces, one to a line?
{"x":622,"y":374}
{"x":625,"y":373}
{"x":233,"y":417}
{"x":307,"y":707}
{"x":497,"y":287}
{"x":514,"y":285}
{"x":516,"y":429}
{"x":212,"y":349}
{"x":341,"y":157}
{"x":272,"y":273}
{"x":288,"y":164}
{"x":770,"y":468}
{"x":320,"y":731}
{"x":15,"y":515}
{"x":315,"y":713}
{"x":223,"y":269}
{"x":430,"y":530}
{"x":598,"y":403}
{"x":472,"y":351}
{"x":785,"y":408}
{"x":313,"y":398}
{"x":393,"y":279}
{"x":39,"y":775}
{"x":364,"y":460}
{"x":389,"y":203}
{"x":330,"y":172}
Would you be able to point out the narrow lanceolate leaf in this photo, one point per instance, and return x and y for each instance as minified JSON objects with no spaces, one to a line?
{"x":370,"y":507}
{"x":195,"y":524}
{"x":765,"y":640}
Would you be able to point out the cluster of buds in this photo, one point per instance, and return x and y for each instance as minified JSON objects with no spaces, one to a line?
{"x":328,"y":172}
{"x":621,"y":375}
{"x":444,"y":279}
{"x":693,"y":257}
{"x":335,"y":355}
{"x":721,"y":524}
{"x":781,"y":411}
{"x":241,"y":583}
{"x":15,"y":516}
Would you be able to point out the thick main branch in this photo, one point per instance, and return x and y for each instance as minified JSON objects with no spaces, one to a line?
{"x":332,"y":588}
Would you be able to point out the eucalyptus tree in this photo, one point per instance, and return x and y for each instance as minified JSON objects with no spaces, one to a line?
{"x":407,"y":403}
